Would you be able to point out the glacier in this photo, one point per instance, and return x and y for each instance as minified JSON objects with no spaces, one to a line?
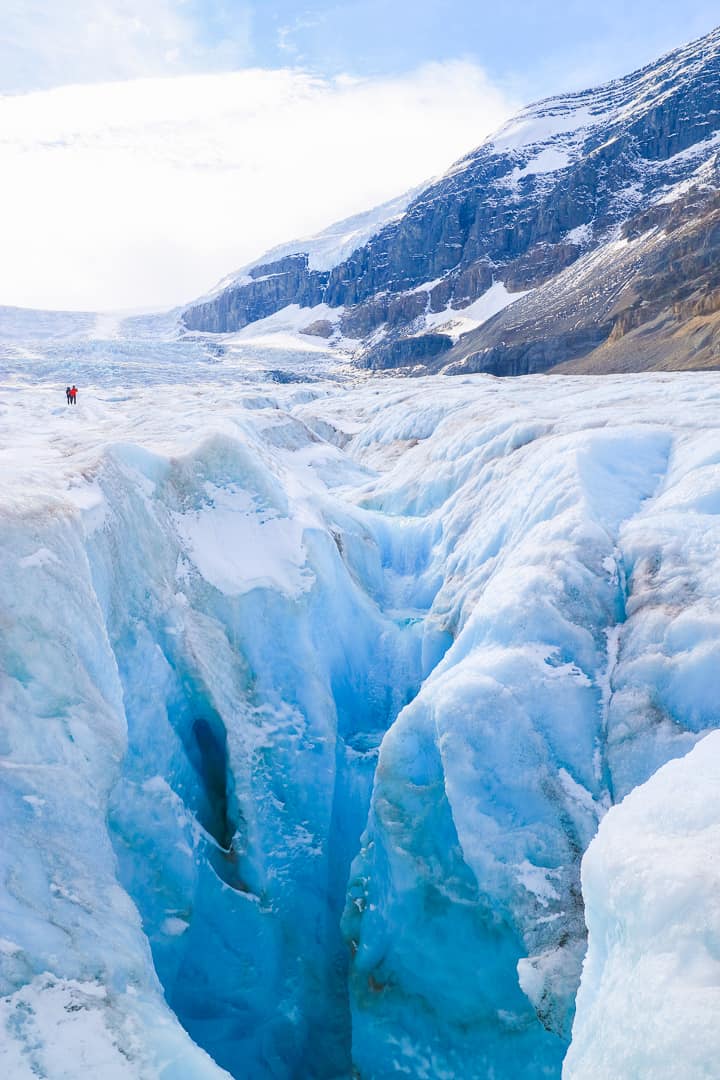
{"x":315,"y":692}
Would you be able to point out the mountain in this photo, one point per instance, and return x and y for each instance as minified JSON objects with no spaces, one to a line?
{"x":584,"y":233}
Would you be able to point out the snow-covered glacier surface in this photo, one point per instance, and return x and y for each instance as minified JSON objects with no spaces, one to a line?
{"x":314,"y":695}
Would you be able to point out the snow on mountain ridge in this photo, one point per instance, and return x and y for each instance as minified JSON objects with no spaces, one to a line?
{"x":614,"y":102}
{"x":328,"y":248}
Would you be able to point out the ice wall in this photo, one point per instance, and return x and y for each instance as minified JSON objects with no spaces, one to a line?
{"x":647,"y":1005}
{"x":580,"y":586}
{"x":257,"y":637}
{"x":465,"y":909}
{"x":78,"y":993}
{"x":261,"y":668}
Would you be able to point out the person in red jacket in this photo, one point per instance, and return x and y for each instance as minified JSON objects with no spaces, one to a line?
{"x":73,"y":394}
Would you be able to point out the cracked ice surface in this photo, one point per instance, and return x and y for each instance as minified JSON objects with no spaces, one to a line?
{"x":269,"y":652}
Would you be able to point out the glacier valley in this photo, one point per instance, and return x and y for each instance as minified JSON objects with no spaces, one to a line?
{"x":316,"y":691}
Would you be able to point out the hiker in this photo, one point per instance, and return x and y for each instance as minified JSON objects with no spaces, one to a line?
{"x":67,"y":394}
{"x":73,"y":394}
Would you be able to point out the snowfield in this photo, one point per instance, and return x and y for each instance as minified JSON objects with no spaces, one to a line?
{"x":315,"y":693}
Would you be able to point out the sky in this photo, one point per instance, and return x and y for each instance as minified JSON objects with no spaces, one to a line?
{"x":149,"y":147}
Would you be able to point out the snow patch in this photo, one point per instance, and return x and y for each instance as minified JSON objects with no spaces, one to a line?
{"x":238,"y":546}
{"x":458,"y":321}
{"x":550,"y":159}
{"x":535,"y":126}
{"x":650,"y":992}
{"x":580,"y":235}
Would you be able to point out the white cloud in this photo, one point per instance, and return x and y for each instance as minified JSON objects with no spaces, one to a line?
{"x":146,"y":192}
{"x":44,"y":44}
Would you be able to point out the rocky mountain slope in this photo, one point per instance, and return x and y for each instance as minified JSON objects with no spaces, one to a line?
{"x":590,"y":221}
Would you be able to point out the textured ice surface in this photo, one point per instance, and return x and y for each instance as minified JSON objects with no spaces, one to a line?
{"x":313,"y":698}
{"x":650,"y":994}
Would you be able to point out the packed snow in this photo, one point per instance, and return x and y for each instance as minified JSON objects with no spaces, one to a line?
{"x":545,"y":121}
{"x":287,"y":329}
{"x":650,"y":994}
{"x":548,"y":160}
{"x":315,"y":689}
{"x":458,"y":321}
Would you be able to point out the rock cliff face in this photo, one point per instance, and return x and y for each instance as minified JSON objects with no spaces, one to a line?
{"x":648,"y":300}
{"x":263,"y":291}
{"x":567,"y":200}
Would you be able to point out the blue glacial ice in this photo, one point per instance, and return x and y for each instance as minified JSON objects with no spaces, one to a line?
{"x":313,"y":699}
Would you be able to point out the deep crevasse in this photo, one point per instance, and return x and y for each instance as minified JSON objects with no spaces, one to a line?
{"x":259,"y":609}
{"x":256,"y":694}
{"x":290,"y":690}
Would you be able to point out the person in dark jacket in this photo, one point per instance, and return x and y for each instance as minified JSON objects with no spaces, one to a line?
{"x":67,"y":394}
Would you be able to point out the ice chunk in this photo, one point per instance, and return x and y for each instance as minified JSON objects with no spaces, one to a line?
{"x":650,"y":993}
